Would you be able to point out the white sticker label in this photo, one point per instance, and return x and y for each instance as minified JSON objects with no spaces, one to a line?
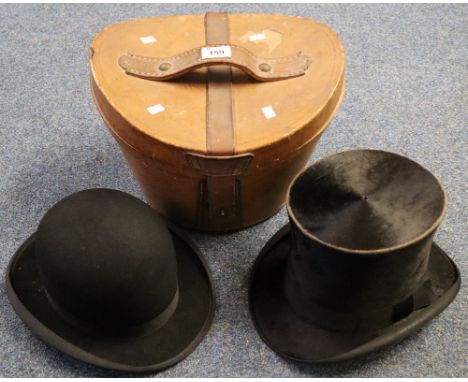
{"x":221,"y":51}
{"x":148,"y":39}
{"x":268,"y":112}
{"x":257,"y":37}
{"x":155,"y":109}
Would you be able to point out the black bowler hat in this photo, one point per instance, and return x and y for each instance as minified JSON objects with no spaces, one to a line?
{"x":105,"y":281}
{"x":356,"y":269}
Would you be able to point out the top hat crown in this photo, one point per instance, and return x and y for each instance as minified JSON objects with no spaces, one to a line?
{"x":362,"y":222}
{"x":106,"y":259}
{"x":366,"y":200}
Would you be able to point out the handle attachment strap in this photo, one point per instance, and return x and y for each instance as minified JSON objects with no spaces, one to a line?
{"x":261,"y":69}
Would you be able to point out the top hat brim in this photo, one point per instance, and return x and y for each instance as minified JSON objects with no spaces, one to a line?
{"x":148,"y":352}
{"x":292,"y":337}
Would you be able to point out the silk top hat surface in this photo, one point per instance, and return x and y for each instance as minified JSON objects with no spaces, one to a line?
{"x":105,"y":281}
{"x":356,"y":269}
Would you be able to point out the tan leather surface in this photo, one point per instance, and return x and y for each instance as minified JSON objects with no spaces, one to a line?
{"x":218,"y":197}
{"x":296,"y":101}
{"x":219,"y":121}
{"x":171,"y":185}
{"x":220,"y":165}
{"x":260,"y":68}
{"x":169,"y":151}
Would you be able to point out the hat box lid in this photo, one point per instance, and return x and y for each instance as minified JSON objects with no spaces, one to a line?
{"x":173,"y":111}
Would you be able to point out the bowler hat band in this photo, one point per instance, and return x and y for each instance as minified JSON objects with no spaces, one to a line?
{"x":123,"y":331}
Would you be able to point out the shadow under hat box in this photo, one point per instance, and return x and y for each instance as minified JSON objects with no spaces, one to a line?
{"x":217,"y":113}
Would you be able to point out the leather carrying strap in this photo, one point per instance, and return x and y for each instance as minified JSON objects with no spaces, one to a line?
{"x":225,"y":165}
{"x":219,"y":205}
{"x":220,"y":139}
{"x":261,"y":69}
{"x":219,"y":192}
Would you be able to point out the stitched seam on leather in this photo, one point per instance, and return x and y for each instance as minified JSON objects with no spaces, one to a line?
{"x":197,"y":49}
{"x":238,"y":62}
{"x":304,"y":61}
{"x":275,"y":75}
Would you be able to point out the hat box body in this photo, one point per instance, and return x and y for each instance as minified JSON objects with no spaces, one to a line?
{"x":216,"y":146}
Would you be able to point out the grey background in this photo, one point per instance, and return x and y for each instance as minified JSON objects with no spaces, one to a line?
{"x":406,"y":92}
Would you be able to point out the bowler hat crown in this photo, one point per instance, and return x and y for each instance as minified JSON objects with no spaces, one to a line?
{"x":106,"y":259}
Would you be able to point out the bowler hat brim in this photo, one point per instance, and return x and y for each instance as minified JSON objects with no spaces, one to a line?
{"x":290,"y":336}
{"x":157,"y":350}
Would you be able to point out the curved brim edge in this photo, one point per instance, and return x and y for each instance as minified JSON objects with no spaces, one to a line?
{"x":400,"y":330}
{"x":51,"y":338}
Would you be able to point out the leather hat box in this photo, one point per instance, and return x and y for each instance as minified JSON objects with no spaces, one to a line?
{"x":217,"y":113}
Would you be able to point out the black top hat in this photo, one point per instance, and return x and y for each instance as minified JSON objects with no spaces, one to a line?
{"x":105,"y":281}
{"x":356,"y":269}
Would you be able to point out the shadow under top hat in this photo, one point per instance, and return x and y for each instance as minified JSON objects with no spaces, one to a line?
{"x":105,"y":281}
{"x":357,"y":268}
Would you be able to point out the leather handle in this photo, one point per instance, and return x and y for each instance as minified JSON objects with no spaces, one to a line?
{"x":261,"y":69}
